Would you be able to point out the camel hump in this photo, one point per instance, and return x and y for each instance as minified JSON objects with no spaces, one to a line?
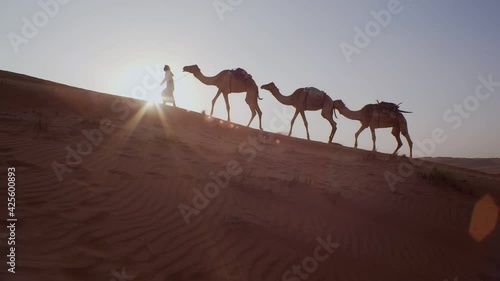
{"x":314,"y":93}
{"x":242,"y":74}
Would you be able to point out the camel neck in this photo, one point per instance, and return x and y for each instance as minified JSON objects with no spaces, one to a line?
{"x":205,"y":80}
{"x":353,"y":115}
{"x":286,"y":100}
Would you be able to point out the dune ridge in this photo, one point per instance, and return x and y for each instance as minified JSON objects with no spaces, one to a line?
{"x":486,"y":165}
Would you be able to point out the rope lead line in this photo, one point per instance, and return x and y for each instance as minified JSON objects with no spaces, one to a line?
{"x":182,"y":77}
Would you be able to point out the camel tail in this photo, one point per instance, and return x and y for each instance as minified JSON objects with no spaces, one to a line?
{"x":258,"y":94}
{"x":402,"y":111}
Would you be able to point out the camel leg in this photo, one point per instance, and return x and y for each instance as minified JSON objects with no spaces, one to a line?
{"x":396,"y":133}
{"x":363,"y":127}
{"x":252,"y":109}
{"x":293,"y":121}
{"x":305,"y":123}
{"x":332,"y":123}
{"x":374,"y":138}
{"x":214,"y":100}
{"x":253,"y":116}
{"x":404,"y":130}
{"x":259,"y":112}
{"x":334,"y":129}
{"x":410,"y":142}
{"x":226,"y":99}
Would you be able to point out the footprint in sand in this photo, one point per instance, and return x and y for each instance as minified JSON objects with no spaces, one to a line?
{"x":82,"y":174}
{"x":118,"y":173}
{"x":6,"y":151}
{"x":187,"y":177}
{"x":17,"y":163}
{"x":124,"y":155}
{"x":155,"y":174}
{"x":126,"y":148}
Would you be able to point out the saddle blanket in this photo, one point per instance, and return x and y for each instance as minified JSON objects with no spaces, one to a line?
{"x":314,"y":93}
{"x":240,"y":73}
{"x":387,"y":108}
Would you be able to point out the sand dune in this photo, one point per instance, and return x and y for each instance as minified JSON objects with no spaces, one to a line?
{"x":117,"y":210}
{"x":487,"y":165}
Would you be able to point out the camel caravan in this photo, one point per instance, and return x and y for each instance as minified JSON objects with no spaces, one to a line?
{"x":373,"y":116}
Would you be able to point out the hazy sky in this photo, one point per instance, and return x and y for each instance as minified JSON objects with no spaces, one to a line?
{"x":429,"y":56}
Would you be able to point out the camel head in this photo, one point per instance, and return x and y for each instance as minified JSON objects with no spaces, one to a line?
{"x":271,"y":87}
{"x":338,"y":105}
{"x":192,"y":69}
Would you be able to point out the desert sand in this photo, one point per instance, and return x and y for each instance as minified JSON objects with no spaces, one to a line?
{"x":115,"y":210}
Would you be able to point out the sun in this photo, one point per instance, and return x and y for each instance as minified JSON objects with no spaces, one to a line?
{"x":152,"y":99}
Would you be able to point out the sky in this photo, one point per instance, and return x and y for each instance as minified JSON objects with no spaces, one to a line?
{"x":427,"y":54}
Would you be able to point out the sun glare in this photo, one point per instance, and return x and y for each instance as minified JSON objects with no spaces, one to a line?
{"x":153,"y":99}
